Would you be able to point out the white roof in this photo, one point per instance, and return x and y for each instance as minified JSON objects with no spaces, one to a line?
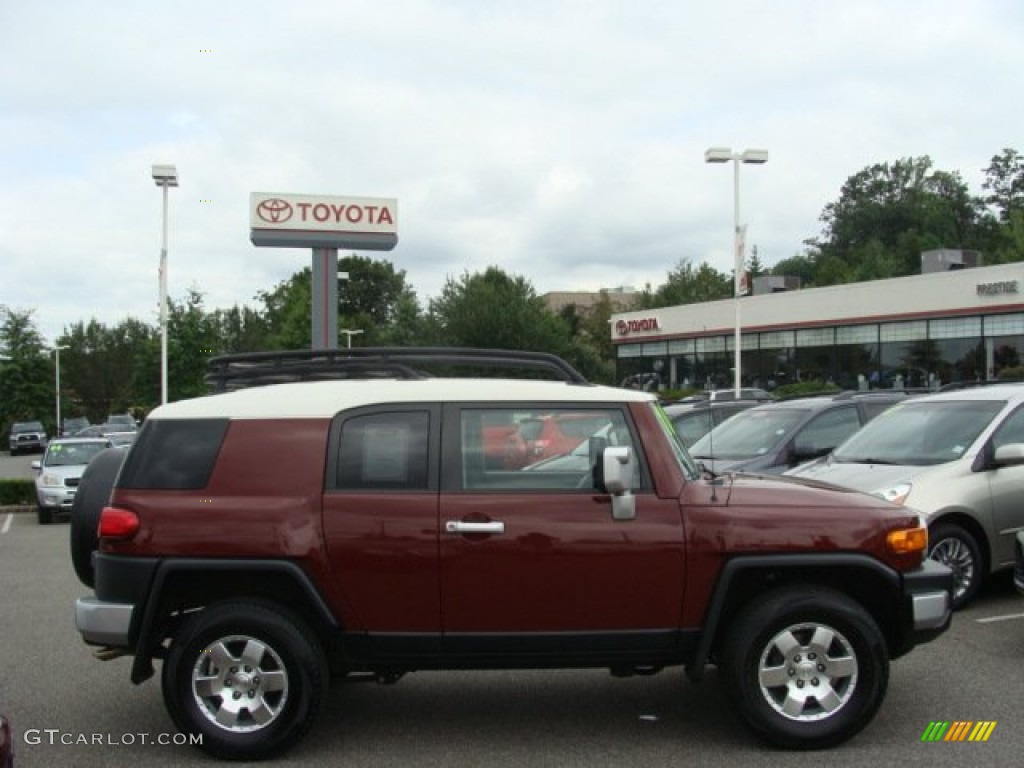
{"x":323,"y":399}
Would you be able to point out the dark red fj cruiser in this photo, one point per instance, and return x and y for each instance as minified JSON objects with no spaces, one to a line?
{"x":265,"y":539}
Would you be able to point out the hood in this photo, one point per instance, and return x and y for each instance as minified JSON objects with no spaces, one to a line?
{"x":63,"y":471}
{"x":796,"y":492}
{"x":859,"y":477}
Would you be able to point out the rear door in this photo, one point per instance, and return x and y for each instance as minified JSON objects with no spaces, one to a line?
{"x":380,"y":510}
{"x":531,"y":559}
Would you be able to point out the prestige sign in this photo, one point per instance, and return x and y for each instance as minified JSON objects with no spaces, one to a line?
{"x":316,"y":221}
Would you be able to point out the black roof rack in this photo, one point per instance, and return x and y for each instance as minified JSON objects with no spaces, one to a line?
{"x":252,"y":369}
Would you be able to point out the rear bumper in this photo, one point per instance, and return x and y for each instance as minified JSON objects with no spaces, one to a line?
{"x":102,"y":623}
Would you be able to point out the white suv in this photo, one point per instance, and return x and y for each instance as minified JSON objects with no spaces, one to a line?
{"x":958,"y":458}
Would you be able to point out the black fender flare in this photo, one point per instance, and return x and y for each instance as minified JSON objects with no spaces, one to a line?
{"x":741,"y":565}
{"x":146,"y":621}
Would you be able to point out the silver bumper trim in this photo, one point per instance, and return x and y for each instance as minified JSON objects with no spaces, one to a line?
{"x":103,"y":623}
{"x":931,"y":610}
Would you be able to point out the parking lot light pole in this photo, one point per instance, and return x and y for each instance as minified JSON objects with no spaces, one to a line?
{"x":56,"y":384}
{"x":348,"y":336}
{"x":756,"y":157}
{"x":165,"y":176}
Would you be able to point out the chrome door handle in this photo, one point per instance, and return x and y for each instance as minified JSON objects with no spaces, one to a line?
{"x":460,"y":526}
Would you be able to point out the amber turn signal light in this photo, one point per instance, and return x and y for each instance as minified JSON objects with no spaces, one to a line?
{"x":907,"y":540}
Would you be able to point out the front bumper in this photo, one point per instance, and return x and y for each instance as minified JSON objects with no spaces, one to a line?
{"x":928,"y":599}
{"x":56,"y":497}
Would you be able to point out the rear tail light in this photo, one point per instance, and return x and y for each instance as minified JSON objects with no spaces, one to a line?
{"x":116,"y":523}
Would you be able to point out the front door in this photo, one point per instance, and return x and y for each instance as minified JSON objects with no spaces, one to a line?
{"x":531,"y":559}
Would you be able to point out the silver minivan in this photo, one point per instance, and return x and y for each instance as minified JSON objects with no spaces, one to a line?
{"x":956,"y":457}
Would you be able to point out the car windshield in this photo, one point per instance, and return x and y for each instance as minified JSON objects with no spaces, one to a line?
{"x":748,"y":434}
{"x":27,"y":426}
{"x":71,"y":454}
{"x":920,"y":433}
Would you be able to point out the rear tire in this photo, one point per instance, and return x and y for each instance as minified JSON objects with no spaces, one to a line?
{"x":92,"y":495}
{"x":954,"y":546}
{"x":248,"y":676}
{"x":805,"y":668}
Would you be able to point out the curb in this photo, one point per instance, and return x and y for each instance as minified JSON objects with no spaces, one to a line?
{"x":17,"y":509}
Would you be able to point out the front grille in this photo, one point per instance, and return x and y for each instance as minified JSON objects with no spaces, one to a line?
{"x":71,"y":482}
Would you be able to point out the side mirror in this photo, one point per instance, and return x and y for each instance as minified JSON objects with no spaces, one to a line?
{"x":1009,"y":455}
{"x":37,"y":465}
{"x":617,"y":466}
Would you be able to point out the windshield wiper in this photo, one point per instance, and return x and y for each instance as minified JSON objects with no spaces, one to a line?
{"x":862,"y":460}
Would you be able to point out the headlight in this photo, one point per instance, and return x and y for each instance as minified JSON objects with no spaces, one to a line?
{"x":897,"y":494}
{"x":51,"y":479}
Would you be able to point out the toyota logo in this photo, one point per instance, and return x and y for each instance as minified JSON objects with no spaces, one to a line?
{"x":275,"y":210}
{"x":622,"y":327}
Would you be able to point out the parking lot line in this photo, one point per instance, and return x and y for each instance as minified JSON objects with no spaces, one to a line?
{"x":1007,"y":617}
{"x":7,"y":523}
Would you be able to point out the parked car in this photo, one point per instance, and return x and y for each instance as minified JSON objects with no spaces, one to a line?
{"x":6,"y":743}
{"x":58,"y":473}
{"x":73,"y":425}
{"x":695,"y":418}
{"x":262,"y":541}
{"x":26,"y":436}
{"x":777,"y":436}
{"x":1018,"y":568}
{"x":543,"y":436}
{"x":958,"y":458}
{"x":123,"y":422}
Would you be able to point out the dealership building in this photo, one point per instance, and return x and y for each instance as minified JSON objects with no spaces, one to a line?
{"x":951,"y":323}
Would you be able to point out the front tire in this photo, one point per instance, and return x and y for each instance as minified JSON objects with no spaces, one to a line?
{"x":805,"y":668}
{"x":44,"y":515}
{"x":248,"y":676}
{"x":955,"y":546}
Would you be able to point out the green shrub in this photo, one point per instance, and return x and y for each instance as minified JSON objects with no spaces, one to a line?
{"x":799,"y":388}
{"x":672,"y":395}
{"x":17,"y":491}
{"x":1013,"y":373}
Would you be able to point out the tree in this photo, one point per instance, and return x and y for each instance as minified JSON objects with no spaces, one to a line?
{"x":902,"y":208}
{"x":686,"y":285}
{"x":498,"y":310}
{"x":26,"y":373}
{"x":109,"y":370}
{"x":374,"y":299}
{"x":1004,"y":180}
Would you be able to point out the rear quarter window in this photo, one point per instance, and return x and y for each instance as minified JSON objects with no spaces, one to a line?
{"x":173,"y":454}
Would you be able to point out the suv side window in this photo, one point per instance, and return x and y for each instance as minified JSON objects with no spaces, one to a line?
{"x":173,"y":454}
{"x":384,"y":451}
{"x":554,"y":449}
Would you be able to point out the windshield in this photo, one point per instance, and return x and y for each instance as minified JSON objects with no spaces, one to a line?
{"x":748,"y":434}
{"x":678,"y":450}
{"x":71,"y":454}
{"x":27,"y":426}
{"x":920,"y":433}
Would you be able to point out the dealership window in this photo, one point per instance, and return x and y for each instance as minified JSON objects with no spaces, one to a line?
{"x":815,"y":354}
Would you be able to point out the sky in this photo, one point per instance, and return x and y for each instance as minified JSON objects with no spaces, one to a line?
{"x":559,"y":140}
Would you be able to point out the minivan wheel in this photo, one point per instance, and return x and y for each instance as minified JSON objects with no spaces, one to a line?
{"x":957,"y":548}
{"x":805,"y":668}
{"x":247,"y":676}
